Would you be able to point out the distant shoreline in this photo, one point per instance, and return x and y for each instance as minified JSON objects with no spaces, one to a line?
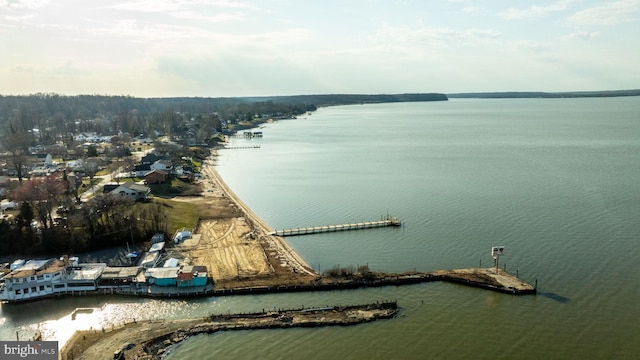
{"x":544,"y":95}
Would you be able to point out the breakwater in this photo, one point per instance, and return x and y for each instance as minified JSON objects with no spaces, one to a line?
{"x":155,"y":339}
{"x":278,"y":319}
{"x":484,"y":278}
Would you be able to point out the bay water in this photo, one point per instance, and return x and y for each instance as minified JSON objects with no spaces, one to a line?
{"x":555,"y":181}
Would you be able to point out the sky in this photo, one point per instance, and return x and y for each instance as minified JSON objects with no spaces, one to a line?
{"x":218,"y":48}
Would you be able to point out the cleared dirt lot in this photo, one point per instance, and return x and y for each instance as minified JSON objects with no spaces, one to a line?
{"x":234,"y":243}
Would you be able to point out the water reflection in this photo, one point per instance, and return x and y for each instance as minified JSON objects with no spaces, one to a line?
{"x":554,"y":296}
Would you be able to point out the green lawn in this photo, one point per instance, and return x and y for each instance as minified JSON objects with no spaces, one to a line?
{"x":180,"y":213}
{"x":175,"y":186}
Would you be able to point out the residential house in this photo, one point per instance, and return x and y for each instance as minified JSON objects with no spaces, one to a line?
{"x":44,"y":159}
{"x":156,"y":177}
{"x":76,"y":165}
{"x":152,"y":158}
{"x":141,"y":170}
{"x":107,"y":188}
{"x":131,"y":190}
{"x":164,"y":165}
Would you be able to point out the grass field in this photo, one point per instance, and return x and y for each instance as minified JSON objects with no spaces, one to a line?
{"x":180,"y":214}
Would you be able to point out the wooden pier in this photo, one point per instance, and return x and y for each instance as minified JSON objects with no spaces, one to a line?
{"x":242,"y":147}
{"x":389,"y":221}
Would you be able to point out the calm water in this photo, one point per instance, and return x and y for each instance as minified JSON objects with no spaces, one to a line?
{"x":554,"y":181}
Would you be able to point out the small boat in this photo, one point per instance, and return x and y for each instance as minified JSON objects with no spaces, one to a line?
{"x":133,"y":254}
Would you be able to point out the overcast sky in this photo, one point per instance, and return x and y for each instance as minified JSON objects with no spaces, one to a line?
{"x":217,"y":48}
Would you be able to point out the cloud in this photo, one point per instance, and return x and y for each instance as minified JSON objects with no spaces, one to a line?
{"x":22,"y":4}
{"x":66,"y":70}
{"x":530,"y":45}
{"x":403,"y":35}
{"x":609,"y":14}
{"x":535,"y":11}
{"x":164,"y":6}
{"x":582,"y":35}
{"x":237,"y":75}
{"x":20,"y":11}
{"x":472,"y":10}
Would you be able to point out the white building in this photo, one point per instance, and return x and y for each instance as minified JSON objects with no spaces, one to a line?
{"x":41,"y":278}
{"x":131,"y":190}
{"x":81,"y":277}
{"x":34,"y":279}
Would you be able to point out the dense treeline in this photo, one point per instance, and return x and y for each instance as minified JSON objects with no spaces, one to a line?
{"x":107,"y":115}
{"x":349,"y":99}
{"x":59,"y":107}
{"x":90,"y":106}
{"x":545,"y":95}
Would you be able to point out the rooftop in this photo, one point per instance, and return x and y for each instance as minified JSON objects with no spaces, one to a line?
{"x":120,"y":272}
{"x":86,"y":272}
{"x":36,"y":267}
{"x":163,"y":273}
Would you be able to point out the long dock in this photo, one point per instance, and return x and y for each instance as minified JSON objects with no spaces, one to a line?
{"x":241,"y":147}
{"x":390,"y":221}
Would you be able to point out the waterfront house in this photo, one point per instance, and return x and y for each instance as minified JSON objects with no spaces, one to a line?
{"x":81,"y":278}
{"x":192,"y":276}
{"x":164,"y":276}
{"x":114,"y":277}
{"x":33,"y":279}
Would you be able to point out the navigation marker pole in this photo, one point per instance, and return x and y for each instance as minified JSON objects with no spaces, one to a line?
{"x":496,"y":251}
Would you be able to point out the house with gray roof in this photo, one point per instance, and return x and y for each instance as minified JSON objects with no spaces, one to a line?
{"x":131,"y":190}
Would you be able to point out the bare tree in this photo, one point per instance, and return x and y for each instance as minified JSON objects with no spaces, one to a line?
{"x":17,"y":144}
{"x":42,"y":194}
{"x":91,"y":167}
